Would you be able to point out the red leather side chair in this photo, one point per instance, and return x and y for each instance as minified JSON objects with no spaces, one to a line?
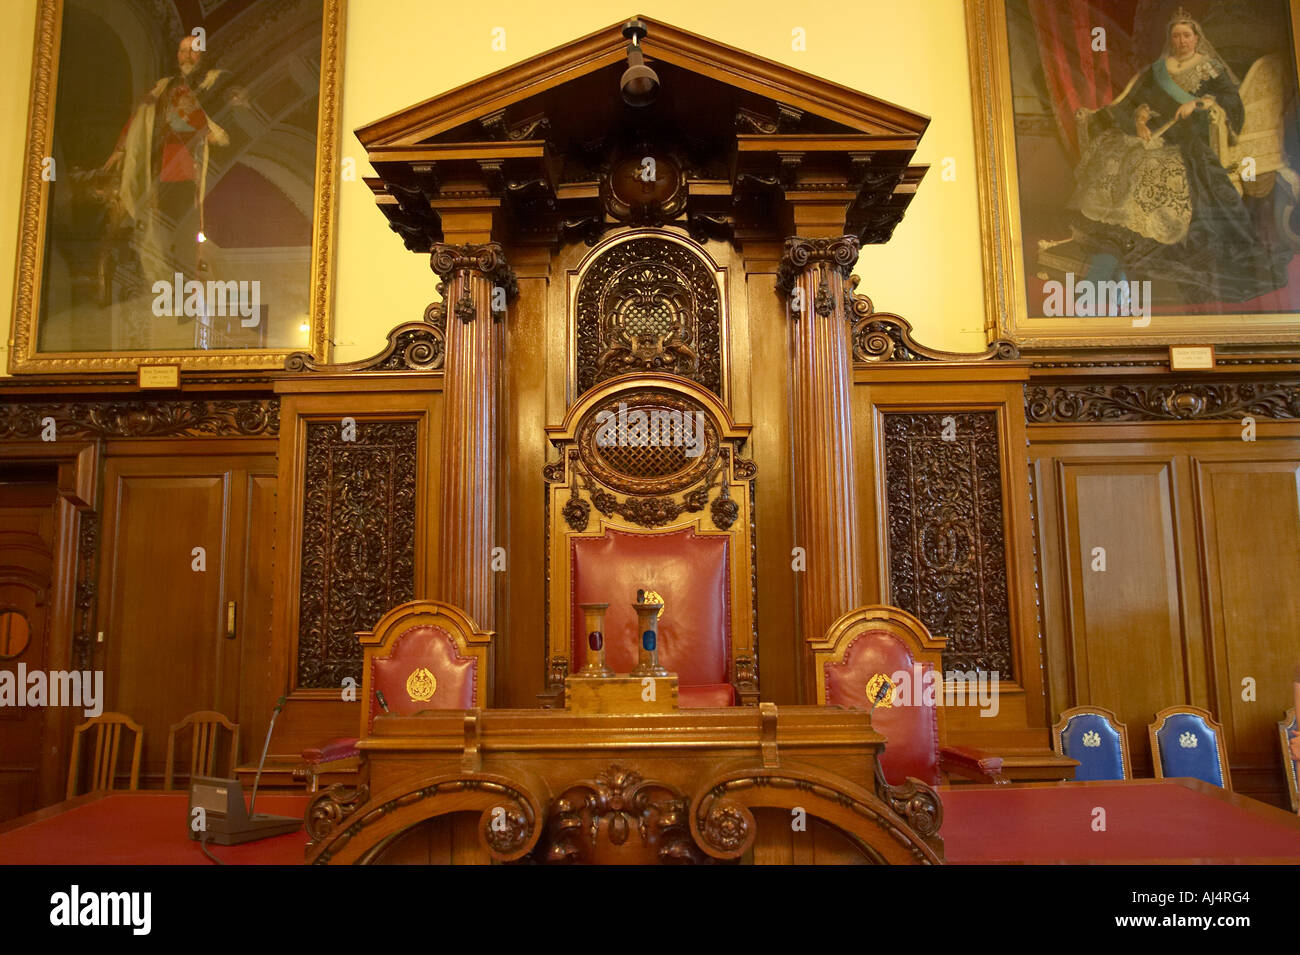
{"x":422,"y":655}
{"x":878,"y":641}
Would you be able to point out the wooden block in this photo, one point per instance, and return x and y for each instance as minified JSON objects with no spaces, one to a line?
{"x":621,"y":694}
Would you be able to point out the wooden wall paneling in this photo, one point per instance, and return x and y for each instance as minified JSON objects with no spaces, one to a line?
{"x":1127,"y":631}
{"x":781,"y":676}
{"x":1249,"y":522}
{"x":1019,"y":731}
{"x":313,"y":715}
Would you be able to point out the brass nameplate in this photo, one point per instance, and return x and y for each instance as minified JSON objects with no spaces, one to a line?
{"x":1191,"y":358}
{"x":159,"y":376}
{"x":621,"y":695}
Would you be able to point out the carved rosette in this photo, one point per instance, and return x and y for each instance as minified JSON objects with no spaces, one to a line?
{"x":506,"y":828}
{"x":1182,"y":401}
{"x":358,"y":541}
{"x":255,"y":417}
{"x":947,"y":554}
{"x":728,"y":828}
{"x":648,"y":304}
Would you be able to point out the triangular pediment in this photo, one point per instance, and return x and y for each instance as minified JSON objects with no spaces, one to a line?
{"x":757,"y":84}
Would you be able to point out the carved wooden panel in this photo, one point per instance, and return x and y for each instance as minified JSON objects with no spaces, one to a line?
{"x":947,"y":555}
{"x":649,"y":304}
{"x":358,"y":541}
{"x":144,"y":418}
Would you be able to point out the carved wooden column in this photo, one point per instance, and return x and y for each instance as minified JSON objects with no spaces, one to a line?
{"x":477,"y":282}
{"x":811,"y":277}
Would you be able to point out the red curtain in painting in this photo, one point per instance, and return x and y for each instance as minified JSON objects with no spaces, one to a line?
{"x":1076,"y":74}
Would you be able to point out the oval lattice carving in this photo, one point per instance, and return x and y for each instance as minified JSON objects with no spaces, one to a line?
{"x":648,"y":443}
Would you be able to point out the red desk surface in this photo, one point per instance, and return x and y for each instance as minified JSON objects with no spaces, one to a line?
{"x":139,"y":828}
{"x":1147,"y":820}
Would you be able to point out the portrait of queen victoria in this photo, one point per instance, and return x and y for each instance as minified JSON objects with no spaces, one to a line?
{"x":1153,"y":197}
{"x":1155,"y":146}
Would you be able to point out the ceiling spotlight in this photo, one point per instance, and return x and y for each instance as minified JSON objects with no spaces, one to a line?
{"x":640,"y":84}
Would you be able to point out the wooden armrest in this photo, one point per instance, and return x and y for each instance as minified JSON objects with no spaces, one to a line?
{"x":971,"y":764}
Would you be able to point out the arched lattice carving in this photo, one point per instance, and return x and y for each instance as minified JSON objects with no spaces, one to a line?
{"x":649,"y":304}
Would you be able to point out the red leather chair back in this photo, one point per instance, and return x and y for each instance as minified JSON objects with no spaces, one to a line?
{"x":405,"y":687}
{"x":689,"y":572}
{"x":912,"y":729}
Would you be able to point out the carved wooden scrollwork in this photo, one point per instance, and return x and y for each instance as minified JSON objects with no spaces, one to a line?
{"x":331,"y":808}
{"x":619,"y":813}
{"x":648,"y":304}
{"x":358,"y":541}
{"x":881,"y":337}
{"x":915,"y":802}
{"x":1181,"y":401}
{"x":412,"y":346}
{"x":508,"y":823}
{"x":83,"y":643}
{"x":947,"y":555}
{"x":197,"y":418}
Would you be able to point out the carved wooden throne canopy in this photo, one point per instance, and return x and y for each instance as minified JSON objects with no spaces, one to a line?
{"x":633,"y":504}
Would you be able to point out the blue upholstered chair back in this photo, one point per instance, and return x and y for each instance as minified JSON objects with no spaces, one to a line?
{"x":1186,"y":741}
{"x":1094,"y":738}
{"x":1285,"y":727}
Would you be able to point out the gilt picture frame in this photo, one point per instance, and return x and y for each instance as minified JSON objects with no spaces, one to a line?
{"x":1079,"y":250}
{"x":180,"y":181}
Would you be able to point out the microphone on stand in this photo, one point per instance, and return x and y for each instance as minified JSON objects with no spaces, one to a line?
{"x":265,"y":747}
{"x":383,"y":703}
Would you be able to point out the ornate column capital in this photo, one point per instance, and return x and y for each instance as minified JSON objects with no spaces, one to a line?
{"x":488,"y":259}
{"x":839,"y":253}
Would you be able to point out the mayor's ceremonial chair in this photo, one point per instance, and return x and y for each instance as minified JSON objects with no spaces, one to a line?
{"x":650,"y":493}
{"x":1096,"y":739}
{"x":860,"y":660}
{"x":422,"y":655}
{"x":1188,"y":741}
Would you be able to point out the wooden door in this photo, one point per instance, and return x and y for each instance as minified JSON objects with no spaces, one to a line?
{"x":184,"y":537}
{"x":26,"y":559}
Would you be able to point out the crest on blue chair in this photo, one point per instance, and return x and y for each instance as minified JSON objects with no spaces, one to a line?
{"x":1097,"y":740}
{"x":1187,"y":741}
{"x":1285,"y":727}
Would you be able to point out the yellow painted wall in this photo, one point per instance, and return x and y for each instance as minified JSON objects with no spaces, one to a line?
{"x":398,"y":52}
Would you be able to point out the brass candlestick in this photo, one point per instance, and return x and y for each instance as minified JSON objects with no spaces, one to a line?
{"x":648,"y":606}
{"x":593,"y":616}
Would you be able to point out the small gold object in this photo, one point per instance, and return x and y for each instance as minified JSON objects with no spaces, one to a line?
{"x":420,"y":685}
{"x":877,"y":685}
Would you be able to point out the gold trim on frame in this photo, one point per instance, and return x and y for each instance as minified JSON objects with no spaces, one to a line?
{"x":1005,"y":308}
{"x":23,"y":357}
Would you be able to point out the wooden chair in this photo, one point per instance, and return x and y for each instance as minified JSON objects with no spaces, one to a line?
{"x":1188,"y":741}
{"x":867,"y":647}
{"x":206,"y":726}
{"x":641,"y":515}
{"x":108,"y":737}
{"x":1285,"y":727}
{"x":422,"y":655}
{"x":1098,"y":741}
